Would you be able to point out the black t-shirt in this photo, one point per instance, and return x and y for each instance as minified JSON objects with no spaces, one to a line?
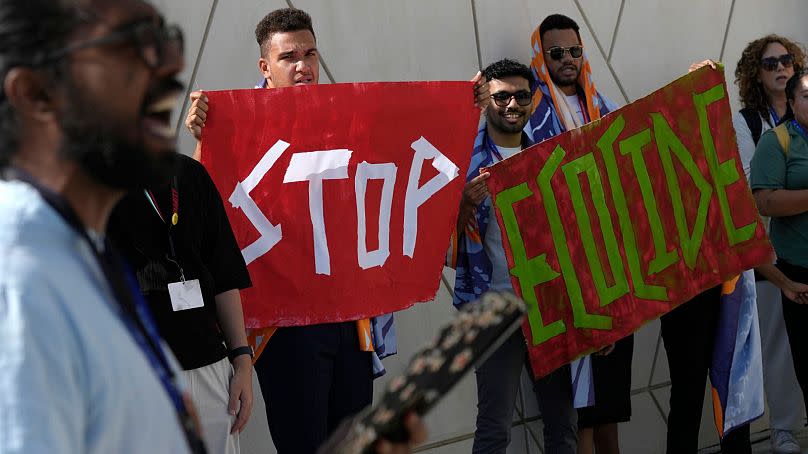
{"x":205,"y":248}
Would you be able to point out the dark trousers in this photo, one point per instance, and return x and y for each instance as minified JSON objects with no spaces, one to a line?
{"x":796,"y":317}
{"x":688,"y":333}
{"x":312,"y":377}
{"x":497,"y":385}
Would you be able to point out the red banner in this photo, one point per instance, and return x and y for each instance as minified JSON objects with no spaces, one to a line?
{"x":611,"y":225}
{"x":342,"y":197}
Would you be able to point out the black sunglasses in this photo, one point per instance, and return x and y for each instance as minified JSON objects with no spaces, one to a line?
{"x":154,"y":43}
{"x":557,"y":53}
{"x":503,"y":98}
{"x":770,"y":63}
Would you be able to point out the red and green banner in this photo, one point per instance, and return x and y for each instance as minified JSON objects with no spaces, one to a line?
{"x":611,"y":225}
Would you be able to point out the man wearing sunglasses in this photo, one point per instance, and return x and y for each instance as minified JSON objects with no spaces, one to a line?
{"x":566,"y":98}
{"x":481,"y":266}
{"x":87,"y":90}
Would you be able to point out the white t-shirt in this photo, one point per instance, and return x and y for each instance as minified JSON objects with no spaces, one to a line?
{"x":575,"y":106}
{"x":500,"y":276}
{"x":746,"y":143}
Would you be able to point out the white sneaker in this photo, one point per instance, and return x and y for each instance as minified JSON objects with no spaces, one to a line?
{"x":783,"y":442}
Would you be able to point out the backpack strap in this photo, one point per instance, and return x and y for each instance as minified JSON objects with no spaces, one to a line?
{"x":754,"y":123}
{"x":783,"y":137}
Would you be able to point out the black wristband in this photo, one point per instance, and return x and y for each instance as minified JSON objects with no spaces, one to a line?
{"x":238,"y":351}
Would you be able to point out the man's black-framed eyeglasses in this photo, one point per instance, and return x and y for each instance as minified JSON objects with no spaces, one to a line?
{"x":153,"y":41}
{"x":503,"y":98}
{"x":557,"y":53}
{"x":770,"y":63}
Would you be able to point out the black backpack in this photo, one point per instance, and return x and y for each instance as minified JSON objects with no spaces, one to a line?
{"x":754,"y":122}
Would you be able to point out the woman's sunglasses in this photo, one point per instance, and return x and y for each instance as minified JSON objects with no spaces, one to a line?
{"x":770,"y":63}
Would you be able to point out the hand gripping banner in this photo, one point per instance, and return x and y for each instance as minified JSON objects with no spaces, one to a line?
{"x":342,"y":197}
{"x":611,"y":225}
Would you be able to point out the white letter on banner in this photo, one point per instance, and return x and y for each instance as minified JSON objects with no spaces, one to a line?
{"x":240,"y":198}
{"x":416,"y":196}
{"x":365,"y":172}
{"x":314,"y":167}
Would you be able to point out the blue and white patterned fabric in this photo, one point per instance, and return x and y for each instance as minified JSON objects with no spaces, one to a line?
{"x":736,"y":372}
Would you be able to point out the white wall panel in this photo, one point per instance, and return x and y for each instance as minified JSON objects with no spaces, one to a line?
{"x":602,"y":16}
{"x":390,"y":40}
{"x":658,"y":40}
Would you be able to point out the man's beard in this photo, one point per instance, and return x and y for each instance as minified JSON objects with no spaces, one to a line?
{"x":565,"y":83}
{"x":103,"y":150}
{"x":499,"y":123}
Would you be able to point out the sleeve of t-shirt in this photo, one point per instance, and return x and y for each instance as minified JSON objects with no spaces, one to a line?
{"x":43,"y":393}
{"x":221,"y":253}
{"x":768,"y":167}
{"x":746,"y":144}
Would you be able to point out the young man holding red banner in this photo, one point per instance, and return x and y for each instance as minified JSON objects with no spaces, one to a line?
{"x":481,"y":266}
{"x":311,"y":376}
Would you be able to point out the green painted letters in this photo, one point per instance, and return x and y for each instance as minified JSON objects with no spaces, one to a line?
{"x":725,"y":173}
{"x":529,"y":272}
{"x":667,"y":142}
{"x":581,"y":319}
{"x":606,"y":146}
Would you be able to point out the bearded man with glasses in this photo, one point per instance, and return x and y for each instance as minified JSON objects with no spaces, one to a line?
{"x":87,"y":90}
{"x":566,"y":98}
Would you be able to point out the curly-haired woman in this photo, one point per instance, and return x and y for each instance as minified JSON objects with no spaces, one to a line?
{"x":765,"y":66}
{"x":761,"y":74}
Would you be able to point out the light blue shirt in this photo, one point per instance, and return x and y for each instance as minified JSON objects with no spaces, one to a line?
{"x":500,"y":274}
{"x":72,"y":380}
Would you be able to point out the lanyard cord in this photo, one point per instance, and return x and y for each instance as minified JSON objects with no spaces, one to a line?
{"x":775,"y":117}
{"x":799,"y":129}
{"x":132,"y":310}
{"x":175,"y":203}
{"x":175,"y":206}
{"x":584,"y":110}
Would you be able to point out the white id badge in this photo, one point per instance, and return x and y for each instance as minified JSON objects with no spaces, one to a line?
{"x":185,"y":295}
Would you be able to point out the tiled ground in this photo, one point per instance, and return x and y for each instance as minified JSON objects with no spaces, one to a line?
{"x":761,"y":443}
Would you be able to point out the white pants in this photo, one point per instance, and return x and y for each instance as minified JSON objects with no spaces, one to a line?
{"x":779,"y":379}
{"x":209,"y":387}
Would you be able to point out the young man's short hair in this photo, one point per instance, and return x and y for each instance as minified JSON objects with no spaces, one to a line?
{"x":281,"y":21}
{"x":507,"y":68}
{"x":558,"y":22}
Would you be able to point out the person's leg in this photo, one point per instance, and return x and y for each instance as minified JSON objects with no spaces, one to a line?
{"x":607,"y":440}
{"x":209,"y":387}
{"x":586,"y":440}
{"x":295,"y":372}
{"x":796,"y":316}
{"x":352,"y":388}
{"x":554,"y":395}
{"x":497,"y":386}
{"x":688,"y":334}
{"x":779,"y":378}
{"x":796,"y":319}
{"x":737,"y":442}
{"x":612,"y":381}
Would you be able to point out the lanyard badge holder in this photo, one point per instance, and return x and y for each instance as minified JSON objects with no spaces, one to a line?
{"x":184,"y":294}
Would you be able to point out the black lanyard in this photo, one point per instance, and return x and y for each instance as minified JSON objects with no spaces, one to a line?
{"x":130,"y":305}
{"x":170,"y":222}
